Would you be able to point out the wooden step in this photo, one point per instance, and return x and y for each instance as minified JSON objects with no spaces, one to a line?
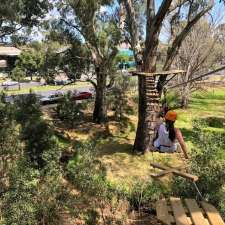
{"x":187,"y":212}
{"x":212,"y":214}
{"x":151,"y":92}
{"x":195,"y":212}
{"x":155,"y":107}
{"x":163,"y":212}
{"x":179,"y":212}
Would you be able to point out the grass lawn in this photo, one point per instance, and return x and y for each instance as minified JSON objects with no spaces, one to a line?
{"x":47,"y":88}
{"x":124,"y":168}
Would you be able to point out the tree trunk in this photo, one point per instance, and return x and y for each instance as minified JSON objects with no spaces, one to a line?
{"x":148,"y":107}
{"x":185,"y":97}
{"x":100,"y":109}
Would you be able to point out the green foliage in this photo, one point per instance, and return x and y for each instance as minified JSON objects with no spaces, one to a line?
{"x":22,"y":13}
{"x":85,"y":171}
{"x":172,"y":99}
{"x":142,"y":194}
{"x":40,"y":59}
{"x":10,"y":146}
{"x":19,"y":204}
{"x":88,"y":175}
{"x":18,"y":74}
{"x":207,"y":162}
{"x":118,"y":98}
{"x":33,"y":193}
{"x":27,"y":107}
{"x":69,"y":111}
{"x":29,"y":62}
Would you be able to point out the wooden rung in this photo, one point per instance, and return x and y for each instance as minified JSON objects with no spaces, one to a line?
{"x":175,"y":171}
{"x":212,"y":214}
{"x":195,"y":212}
{"x":163,"y":212}
{"x":179,"y":212}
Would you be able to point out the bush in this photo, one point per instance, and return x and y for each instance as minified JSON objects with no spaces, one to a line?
{"x":143,"y":194}
{"x":27,"y":108}
{"x":10,"y":146}
{"x":34,"y":194}
{"x":69,"y":111}
{"x":85,"y":171}
{"x":172,"y":99}
{"x":118,"y":102}
{"x":88,"y":175}
{"x":207,"y":162}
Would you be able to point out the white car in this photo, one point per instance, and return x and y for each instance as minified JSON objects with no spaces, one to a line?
{"x":51,"y":99}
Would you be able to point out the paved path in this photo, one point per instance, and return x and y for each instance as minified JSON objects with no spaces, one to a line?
{"x":23,"y":85}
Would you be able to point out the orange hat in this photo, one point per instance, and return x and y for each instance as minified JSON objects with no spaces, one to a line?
{"x":171,"y":115}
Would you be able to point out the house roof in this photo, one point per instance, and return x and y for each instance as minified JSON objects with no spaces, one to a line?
{"x":9,"y":51}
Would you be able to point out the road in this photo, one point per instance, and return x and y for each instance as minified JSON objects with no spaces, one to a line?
{"x":10,"y":98}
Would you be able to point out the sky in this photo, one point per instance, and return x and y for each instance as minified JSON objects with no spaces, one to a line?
{"x":217,"y":15}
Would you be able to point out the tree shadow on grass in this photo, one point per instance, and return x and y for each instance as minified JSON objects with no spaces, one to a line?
{"x":111,"y":147}
{"x":215,"y":122}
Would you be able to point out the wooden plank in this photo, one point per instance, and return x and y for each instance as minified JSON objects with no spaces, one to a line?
{"x":195,"y":212}
{"x":179,"y":212}
{"x":176,"y":172}
{"x":157,"y":73}
{"x":163,"y":212}
{"x":212,"y":214}
{"x":161,"y":174}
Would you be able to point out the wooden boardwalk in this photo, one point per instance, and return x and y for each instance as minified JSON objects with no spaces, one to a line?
{"x":187,"y":212}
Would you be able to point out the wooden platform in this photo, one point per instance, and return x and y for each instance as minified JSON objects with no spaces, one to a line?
{"x":170,"y":72}
{"x":188,"y":212}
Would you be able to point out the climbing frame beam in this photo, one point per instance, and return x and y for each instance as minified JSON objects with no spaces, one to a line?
{"x":167,"y":170}
{"x":165,"y":73}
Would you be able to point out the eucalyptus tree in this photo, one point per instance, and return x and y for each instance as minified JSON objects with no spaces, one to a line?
{"x":94,"y":35}
{"x":172,"y":12}
{"x":15,"y":15}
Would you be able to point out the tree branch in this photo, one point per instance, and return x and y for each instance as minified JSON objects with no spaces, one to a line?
{"x":72,"y":25}
{"x":163,"y":10}
{"x":178,"y":40}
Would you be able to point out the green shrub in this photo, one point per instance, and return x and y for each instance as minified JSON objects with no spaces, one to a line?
{"x":27,"y":107}
{"x":33,"y":194}
{"x":118,"y":98}
{"x":88,"y":175}
{"x":69,"y":111}
{"x":207,"y":162}
{"x":85,"y":171}
{"x":173,"y":99}
{"x":143,"y":194}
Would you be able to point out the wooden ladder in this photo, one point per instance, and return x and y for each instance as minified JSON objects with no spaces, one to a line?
{"x":189,"y":212}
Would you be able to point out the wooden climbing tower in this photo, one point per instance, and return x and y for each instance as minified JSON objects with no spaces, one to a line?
{"x":150,"y":103}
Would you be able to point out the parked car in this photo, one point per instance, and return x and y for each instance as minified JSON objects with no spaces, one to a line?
{"x":62,"y":82}
{"x":82,"y":95}
{"x":51,"y":99}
